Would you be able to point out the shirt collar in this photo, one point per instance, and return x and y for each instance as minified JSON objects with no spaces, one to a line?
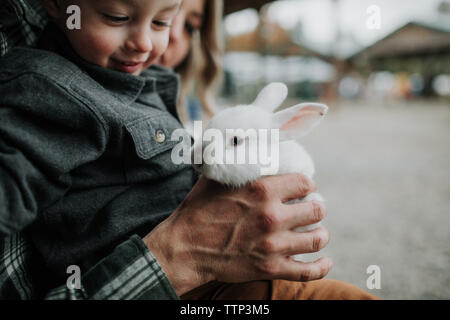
{"x":126,"y":87}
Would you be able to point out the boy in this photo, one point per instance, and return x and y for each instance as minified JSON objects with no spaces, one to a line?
{"x":85,"y":132}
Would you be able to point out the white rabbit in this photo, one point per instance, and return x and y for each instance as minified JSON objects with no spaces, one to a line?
{"x":293,"y":123}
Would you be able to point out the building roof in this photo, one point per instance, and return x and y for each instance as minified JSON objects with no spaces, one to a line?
{"x":270,"y":38}
{"x":413,"y":38}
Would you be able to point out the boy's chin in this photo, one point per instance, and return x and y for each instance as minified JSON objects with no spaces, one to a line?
{"x":137,"y":73}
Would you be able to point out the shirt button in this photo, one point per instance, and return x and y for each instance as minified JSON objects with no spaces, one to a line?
{"x":160,"y":136}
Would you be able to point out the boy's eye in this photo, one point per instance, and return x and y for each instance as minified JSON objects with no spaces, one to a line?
{"x":161,"y":23}
{"x":116,"y":19}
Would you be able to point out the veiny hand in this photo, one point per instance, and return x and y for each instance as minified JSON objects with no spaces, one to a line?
{"x":241,"y":235}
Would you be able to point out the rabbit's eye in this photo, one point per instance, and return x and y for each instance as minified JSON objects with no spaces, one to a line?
{"x":236,"y":141}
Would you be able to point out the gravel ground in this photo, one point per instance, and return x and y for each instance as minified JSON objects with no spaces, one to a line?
{"x":384,"y":169}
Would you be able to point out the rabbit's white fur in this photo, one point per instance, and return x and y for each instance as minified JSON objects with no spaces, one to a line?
{"x":293,"y":123}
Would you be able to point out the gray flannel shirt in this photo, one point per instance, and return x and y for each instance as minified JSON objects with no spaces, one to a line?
{"x":127,"y":270}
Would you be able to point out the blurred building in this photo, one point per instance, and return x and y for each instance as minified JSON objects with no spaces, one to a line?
{"x":411,"y":61}
{"x":417,"y":54}
{"x":267,"y":54}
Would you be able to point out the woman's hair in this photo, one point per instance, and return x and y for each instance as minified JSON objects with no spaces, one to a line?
{"x":203,"y":65}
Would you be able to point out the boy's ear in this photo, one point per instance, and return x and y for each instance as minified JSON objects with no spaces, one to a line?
{"x":53,"y":7}
{"x":295,"y":122}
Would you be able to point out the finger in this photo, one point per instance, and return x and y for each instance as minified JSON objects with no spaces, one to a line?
{"x":301,"y":214}
{"x":305,"y":271}
{"x":281,"y":217}
{"x":307,"y":242}
{"x":282,"y":188}
{"x":291,"y":242}
{"x":292,"y":186}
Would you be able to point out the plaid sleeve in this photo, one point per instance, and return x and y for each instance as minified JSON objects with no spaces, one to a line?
{"x":21,"y":22}
{"x":15,"y":269}
{"x":129,"y":272}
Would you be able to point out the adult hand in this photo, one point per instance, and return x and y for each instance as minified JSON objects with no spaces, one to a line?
{"x":239,"y":235}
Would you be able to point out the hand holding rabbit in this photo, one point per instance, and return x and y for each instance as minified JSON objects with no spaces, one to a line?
{"x":239,"y":124}
{"x":240,"y":235}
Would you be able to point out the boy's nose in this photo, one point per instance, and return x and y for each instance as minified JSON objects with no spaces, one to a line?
{"x":140,"y":42}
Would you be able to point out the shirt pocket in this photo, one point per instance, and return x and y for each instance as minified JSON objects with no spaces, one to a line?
{"x":151,"y":136}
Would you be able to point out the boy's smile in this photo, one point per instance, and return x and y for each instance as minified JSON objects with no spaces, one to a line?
{"x":126,"y":66}
{"x":124,"y":35}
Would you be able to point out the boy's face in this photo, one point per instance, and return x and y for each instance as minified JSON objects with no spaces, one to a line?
{"x":124,"y":35}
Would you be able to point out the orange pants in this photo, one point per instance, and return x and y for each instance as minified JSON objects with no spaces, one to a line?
{"x":323,"y":289}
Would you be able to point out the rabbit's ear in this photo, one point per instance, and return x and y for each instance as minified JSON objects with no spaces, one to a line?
{"x":297,"y":121}
{"x":271,"y":96}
